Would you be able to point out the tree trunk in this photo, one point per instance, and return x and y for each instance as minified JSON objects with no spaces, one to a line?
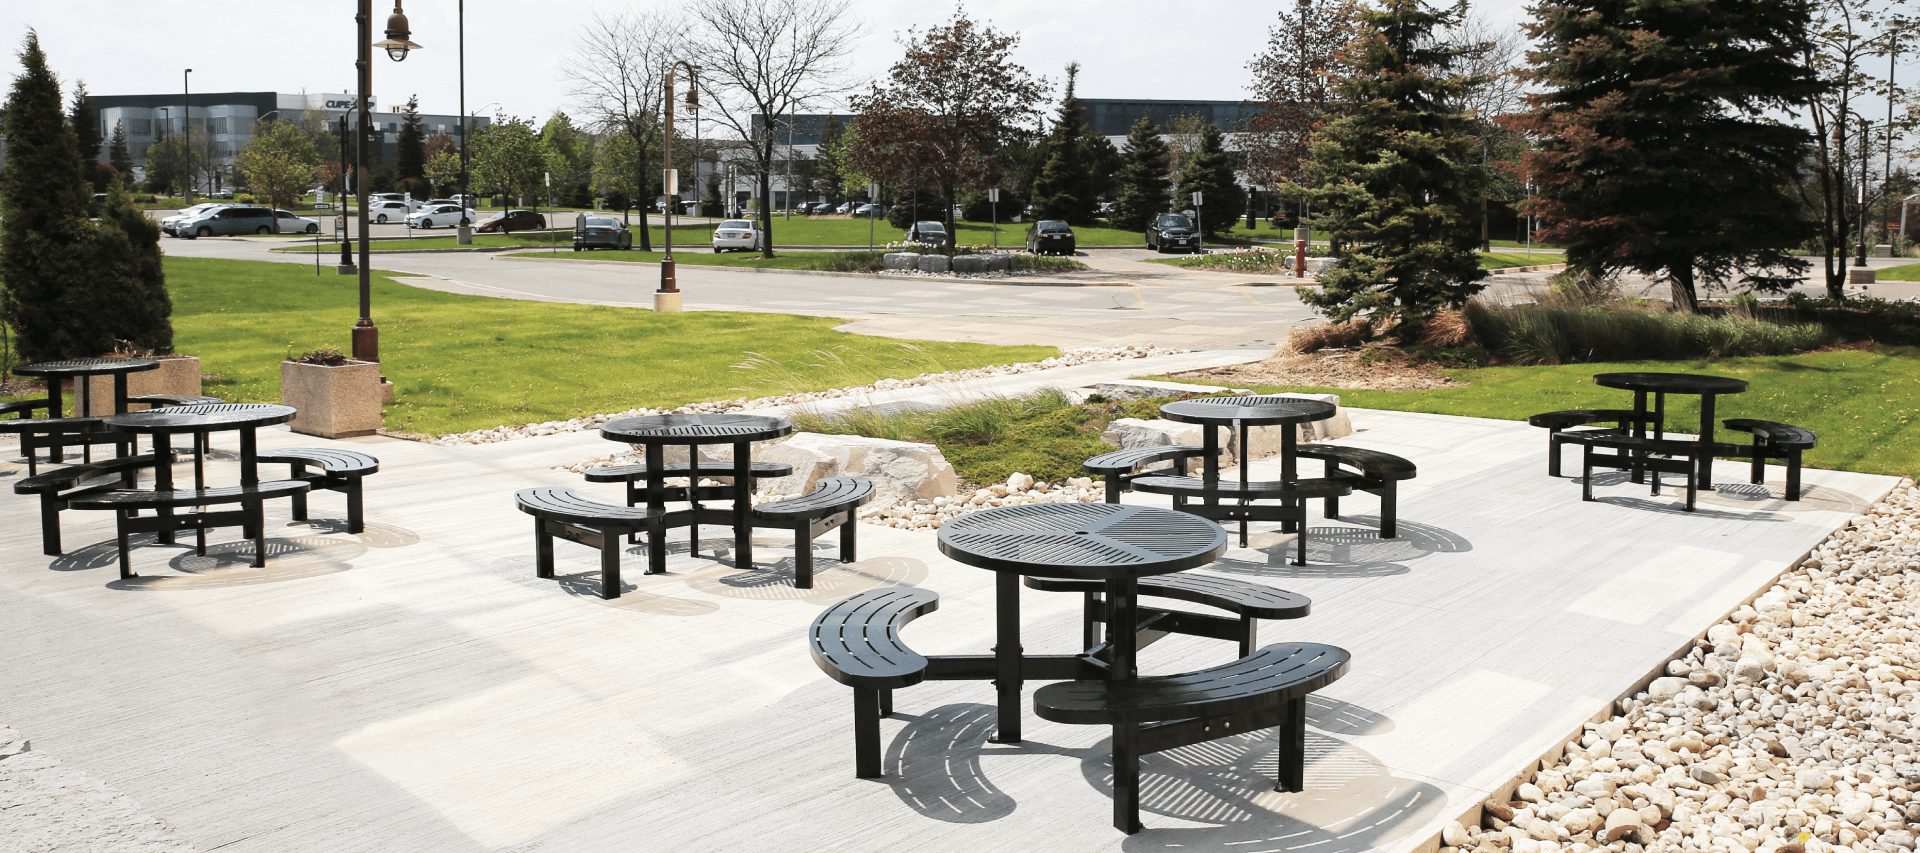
{"x":1836,"y":276}
{"x":766,"y":209}
{"x":1681,"y":286}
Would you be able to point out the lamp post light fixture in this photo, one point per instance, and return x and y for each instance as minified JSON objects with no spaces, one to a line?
{"x":366,"y":336}
{"x":667,"y":298}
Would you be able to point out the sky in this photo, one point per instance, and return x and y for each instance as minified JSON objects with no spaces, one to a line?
{"x":517,"y":52}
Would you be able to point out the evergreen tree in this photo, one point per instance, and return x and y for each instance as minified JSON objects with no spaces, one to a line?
{"x":410,"y":167}
{"x":1103,"y":164}
{"x":1210,"y":173}
{"x":44,"y":234}
{"x":1064,"y":190}
{"x":571,"y":156}
{"x":832,"y":160}
{"x":1395,"y":176}
{"x":117,"y":154}
{"x":134,"y":305}
{"x":1659,"y":150}
{"x":1143,"y":180}
{"x":86,"y":129}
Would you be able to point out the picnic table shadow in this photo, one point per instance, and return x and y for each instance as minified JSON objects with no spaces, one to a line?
{"x":226,"y":563}
{"x":1754,"y":502}
{"x":937,"y":766}
{"x":1344,"y":551}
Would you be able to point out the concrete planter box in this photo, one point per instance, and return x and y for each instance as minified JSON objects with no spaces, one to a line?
{"x":176,"y":375}
{"x":334,"y":402}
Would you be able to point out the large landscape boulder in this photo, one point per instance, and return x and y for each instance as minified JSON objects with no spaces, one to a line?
{"x":1142,"y":389}
{"x":970,"y":263}
{"x":935,"y":263}
{"x":900,"y":470}
{"x":901,"y":260}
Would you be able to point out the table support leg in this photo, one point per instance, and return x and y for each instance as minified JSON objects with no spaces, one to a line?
{"x":1638,"y":475}
{"x":1289,"y":473}
{"x":656,"y":501}
{"x":1126,"y":777}
{"x":1123,"y":617}
{"x":742,"y":503}
{"x":1705,"y":475}
{"x":693,"y":499}
{"x":1007,"y":655}
{"x":163,"y":481}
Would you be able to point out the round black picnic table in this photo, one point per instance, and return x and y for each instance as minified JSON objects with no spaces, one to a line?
{"x":657,"y":432}
{"x":81,"y":369}
{"x":1238,"y":414}
{"x":198,"y":421}
{"x":1662,"y":384}
{"x":1115,"y":543}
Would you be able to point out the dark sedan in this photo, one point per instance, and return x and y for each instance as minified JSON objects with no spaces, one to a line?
{"x":509,"y":221}
{"x":601,"y":232}
{"x":1172,"y":232}
{"x":1050,"y":237}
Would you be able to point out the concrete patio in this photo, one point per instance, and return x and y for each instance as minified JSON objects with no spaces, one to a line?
{"x":416,"y":688}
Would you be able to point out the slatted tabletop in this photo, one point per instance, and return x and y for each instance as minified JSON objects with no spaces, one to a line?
{"x":86,"y":367}
{"x":1671,"y":383}
{"x":1248,"y":411}
{"x":1094,"y":541}
{"x":209,"y":417}
{"x":696,"y":429}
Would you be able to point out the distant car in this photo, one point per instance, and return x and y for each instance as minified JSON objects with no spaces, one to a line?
{"x":449,"y":215}
{"x":387,"y":211}
{"x":1050,"y":237}
{"x":845,"y":208}
{"x":466,"y":200}
{"x":291,"y":224}
{"x":1172,"y":232}
{"x":823,"y":208}
{"x":220,"y":194}
{"x":98,"y":205}
{"x":600,"y":232}
{"x":509,"y":221}
{"x":229,"y":220}
{"x":400,"y":198}
{"x":869,"y":211}
{"x":171,"y":224}
{"x":928,"y":234}
{"x":740,"y":235}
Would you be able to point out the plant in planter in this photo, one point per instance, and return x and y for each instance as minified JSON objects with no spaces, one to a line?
{"x":178,"y":374}
{"x":337,"y":396}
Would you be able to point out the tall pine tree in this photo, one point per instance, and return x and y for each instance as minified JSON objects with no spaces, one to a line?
{"x":1657,"y":148}
{"x":1143,"y":180}
{"x":1210,"y":173}
{"x":1064,"y":189}
{"x":1395,"y":176}
{"x":410,"y":166}
{"x":118,"y":155}
{"x":86,"y":129}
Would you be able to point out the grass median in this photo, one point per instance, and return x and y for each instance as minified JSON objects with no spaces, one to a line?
{"x":469,"y":362}
{"x":1863,"y":403}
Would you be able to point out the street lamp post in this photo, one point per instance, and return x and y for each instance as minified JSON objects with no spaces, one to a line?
{"x":346,"y":266}
{"x":465,"y":231}
{"x":186,"y":127}
{"x":366,"y":336}
{"x":667,"y":298}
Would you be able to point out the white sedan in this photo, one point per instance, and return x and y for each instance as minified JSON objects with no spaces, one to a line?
{"x":291,"y":224}
{"x":737,"y":234}
{"x":443,"y":214}
{"x":386,"y":211}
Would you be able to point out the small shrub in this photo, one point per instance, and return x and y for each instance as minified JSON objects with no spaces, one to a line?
{"x":1458,"y":358}
{"x":1322,"y":335}
{"x":1546,"y":334}
{"x":1447,"y":328}
{"x":326,"y":356}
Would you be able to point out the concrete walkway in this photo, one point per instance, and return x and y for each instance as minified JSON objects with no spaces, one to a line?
{"x":415,"y":688}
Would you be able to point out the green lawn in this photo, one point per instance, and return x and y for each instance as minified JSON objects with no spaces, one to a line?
{"x":1909,"y":272}
{"x":1502,"y":260}
{"x":468,"y":362}
{"x":1863,"y":403}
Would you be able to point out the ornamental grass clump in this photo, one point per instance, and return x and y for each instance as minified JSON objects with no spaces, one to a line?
{"x":1548,"y":334}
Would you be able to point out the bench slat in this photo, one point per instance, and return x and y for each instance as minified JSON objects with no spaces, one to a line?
{"x":563,"y":504}
{"x":1777,"y":434}
{"x":334,"y":462}
{"x":1581,"y":417}
{"x":155,"y":499}
{"x":73,"y":475}
{"x":706,"y":468}
{"x":1196,"y":487}
{"x":857,"y":640}
{"x":1236,"y":596}
{"x":1373,"y":463}
{"x":1265,"y":679}
{"x":830,"y":495}
{"x":1124,"y":461}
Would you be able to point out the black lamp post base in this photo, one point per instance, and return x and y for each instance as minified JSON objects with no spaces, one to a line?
{"x":346,"y":269}
{"x":366,"y":343}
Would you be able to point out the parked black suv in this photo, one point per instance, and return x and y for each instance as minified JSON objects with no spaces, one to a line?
{"x":1050,"y":237}
{"x":1172,"y":232}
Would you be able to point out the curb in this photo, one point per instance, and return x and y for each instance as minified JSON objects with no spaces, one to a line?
{"x":831,"y":273}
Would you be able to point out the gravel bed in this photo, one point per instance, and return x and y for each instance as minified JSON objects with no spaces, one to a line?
{"x":1788,"y":730}
{"x":1070,"y":358}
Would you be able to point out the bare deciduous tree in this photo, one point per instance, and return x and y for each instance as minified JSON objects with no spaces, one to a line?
{"x":1491,"y":60}
{"x":1293,"y":87}
{"x":762,"y":59}
{"x":618,"y":82}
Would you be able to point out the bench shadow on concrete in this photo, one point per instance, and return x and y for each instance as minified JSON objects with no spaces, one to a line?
{"x":226,"y":563}
{"x":1342,"y":552}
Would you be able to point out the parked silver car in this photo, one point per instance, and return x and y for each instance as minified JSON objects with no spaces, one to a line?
{"x":171,"y":224}
{"x":227,"y":221}
{"x":291,"y":224}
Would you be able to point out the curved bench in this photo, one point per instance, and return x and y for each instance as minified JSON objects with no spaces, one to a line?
{"x":251,"y":517}
{"x":561,"y":512}
{"x":1293,"y":497}
{"x":1773,"y":440}
{"x":161,"y":401}
{"x":1246,"y":601}
{"x":1121,"y":467}
{"x":829,"y":505}
{"x":57,"y":487}
{"x":339,"y":471}
{"x":1266,"y":689}
{"x":1372,"y":471}
{"x":1658,"y":455}
{"x":1558,"y":423}
{"x":857,"y":643}
{"x":57,"y":434}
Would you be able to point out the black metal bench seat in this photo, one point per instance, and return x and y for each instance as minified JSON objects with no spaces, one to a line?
{"x":1371,"y":471}
{"x":161,"y":401}
{"x":338,"y":471}
{"x":830,"y":505}
{"x":1248,"y":602}
{"x":857,"y":643}
{"x":1121,"y":467}
{"x":57,"y":434}
{"x":1293,"y":497}
{"x":1148,"y":715}
{"x":251,"y":517}
{"x":61,"y":485}
{"x":1773,"y":440}
{"x":564,"y":513}
{"x":1656,"y":455}
{"x":1560,"y":425}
